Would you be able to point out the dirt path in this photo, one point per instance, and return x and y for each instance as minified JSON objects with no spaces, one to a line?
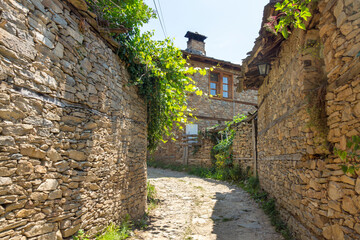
{"x":195,"y":208}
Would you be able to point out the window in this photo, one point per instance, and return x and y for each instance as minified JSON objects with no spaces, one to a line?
{"x":220,"y":85}
{"x":192,"y":129}
{"x":214,"y":83}
{"x":225,"y":84}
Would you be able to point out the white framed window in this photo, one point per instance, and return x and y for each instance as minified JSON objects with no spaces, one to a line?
{"x":192,"y":129}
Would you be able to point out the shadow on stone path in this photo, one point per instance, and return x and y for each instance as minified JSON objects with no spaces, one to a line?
{"x":203,"y":209}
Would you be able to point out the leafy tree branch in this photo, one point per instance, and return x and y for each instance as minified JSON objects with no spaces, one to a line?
{"x":156,"y":67}
{"x":292,"y":13}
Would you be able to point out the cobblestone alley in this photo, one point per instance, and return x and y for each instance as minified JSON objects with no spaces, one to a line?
{"x":203,"y":209}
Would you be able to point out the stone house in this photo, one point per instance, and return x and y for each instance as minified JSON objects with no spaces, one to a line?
{"x":308,"y":104}
{"x":220,"y":104}
{"x":72,"y":132}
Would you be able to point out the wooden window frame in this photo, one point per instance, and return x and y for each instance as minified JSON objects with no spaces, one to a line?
{"x":220,"y":85}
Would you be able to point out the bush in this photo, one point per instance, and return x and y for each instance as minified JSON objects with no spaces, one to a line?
{"x":114,"y":232}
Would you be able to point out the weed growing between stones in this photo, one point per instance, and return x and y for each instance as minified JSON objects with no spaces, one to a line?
{"x":151,"y":196}
{"x":114,"y":232}
{"x":350,"y":156}
{"x":230,"y":174}
{"x":81,"y":235}
{"x":117,"y":232}
{"x":252,"y":186}
{"x":241,"y":178}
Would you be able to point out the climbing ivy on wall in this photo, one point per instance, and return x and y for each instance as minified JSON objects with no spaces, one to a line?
{"x":156,"y":67}
{"x":223,"y":148}
{"x":350,"y":156}
{"x":292,"y":13}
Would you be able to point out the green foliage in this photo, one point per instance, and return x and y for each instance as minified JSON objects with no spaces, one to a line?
{"x":156,"y":67}
{"x":112,"y":232}
{"x":115,"y":232}
{"x":163,"y":82}
{"x":151,"y":192}
{"x":142,"y":223}
{"x":351,"y":156}
{"x":151,"y":196}
{"x":222,"y":150}
{"x":130,"y":14}
{"x":81,"y":235}
{"x":233,"y":173}
{"x":292,"y":14}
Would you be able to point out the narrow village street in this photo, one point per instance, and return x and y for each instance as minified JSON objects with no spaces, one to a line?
{"x":204,"y":209}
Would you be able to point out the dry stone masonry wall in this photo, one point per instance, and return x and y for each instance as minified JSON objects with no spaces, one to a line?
{"x":243,"y":145}
{"x":201,"y":155}
{"x":315,"y":197}
{"x":72,"y":132}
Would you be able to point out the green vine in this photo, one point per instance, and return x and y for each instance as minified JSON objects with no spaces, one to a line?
{"x":292,"y":14}
{"x":156,"y":67}
{"x":222,"y":151}
{"x":351,"y":156}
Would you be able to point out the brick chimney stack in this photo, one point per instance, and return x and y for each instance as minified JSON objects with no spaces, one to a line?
{"x":196,"y":43}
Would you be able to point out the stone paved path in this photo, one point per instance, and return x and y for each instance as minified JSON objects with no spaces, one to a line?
{"x":195,"y":208}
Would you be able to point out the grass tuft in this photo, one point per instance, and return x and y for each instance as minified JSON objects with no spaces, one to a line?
{"x":114,"y":232}
{"x":151,"y":196}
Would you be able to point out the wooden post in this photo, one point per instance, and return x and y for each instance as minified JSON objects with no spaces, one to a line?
{"x":254,"y":146}
{"x":185,"y":153}
{"x":185,"y":144}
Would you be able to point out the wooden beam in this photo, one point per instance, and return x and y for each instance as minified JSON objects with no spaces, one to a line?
{"x":232,"y":100}
{"x":213,"y":118}
{"x":254,"y":146}
{"x":117,"y":30}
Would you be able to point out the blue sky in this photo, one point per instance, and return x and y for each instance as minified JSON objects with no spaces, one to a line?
{"x":230,"y":25}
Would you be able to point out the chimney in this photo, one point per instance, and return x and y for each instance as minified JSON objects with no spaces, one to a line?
{"x":196,"y":43}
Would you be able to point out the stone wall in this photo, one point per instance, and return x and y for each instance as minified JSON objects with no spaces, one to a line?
{"x":201,"y":155}
{"x":72,"y":132}
{"x":339,"y":32}
{"x":317,"y":200}
{"x":243,"y":145}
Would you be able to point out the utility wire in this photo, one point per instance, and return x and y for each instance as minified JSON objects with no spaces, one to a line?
{"x":162,"y":16}
{"x":157,"y":12}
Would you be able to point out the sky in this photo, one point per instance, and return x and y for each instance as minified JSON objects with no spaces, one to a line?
{"x":230,"y":25}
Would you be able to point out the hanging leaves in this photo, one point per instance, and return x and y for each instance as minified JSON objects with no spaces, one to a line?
{"x":350,"y":156}
{"x":292,"y":13}
{"x":157,"y":68}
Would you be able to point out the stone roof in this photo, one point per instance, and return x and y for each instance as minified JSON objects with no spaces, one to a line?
{"x":264,"y":51}
{"x":195,"y":35}
{"x":209,"y":60}
{"x":266,"y":48}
